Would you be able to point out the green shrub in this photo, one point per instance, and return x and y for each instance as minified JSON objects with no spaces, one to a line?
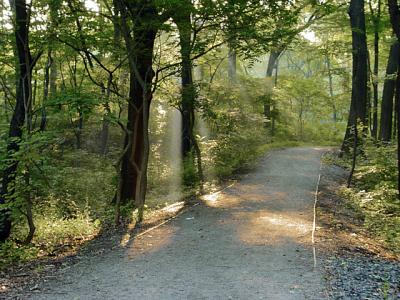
{"x":11,"y":253}
{"x":374,"y":195}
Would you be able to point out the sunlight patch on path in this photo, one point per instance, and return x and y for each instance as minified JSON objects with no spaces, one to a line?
{"x":269,"y":228}
{"x":152,"y":242}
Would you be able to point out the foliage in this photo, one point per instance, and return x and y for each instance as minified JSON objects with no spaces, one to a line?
{"x":11,"y":253}
{"x":55,"y":233}
{"x":375,"y":194}
{"x":232,"y":113}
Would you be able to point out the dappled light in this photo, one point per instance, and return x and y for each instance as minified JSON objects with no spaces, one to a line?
{"x":234,"y":195}
{"x":174,"y":208}
{"x":211,"y":199}
{"x":165,"y":213}
{"x":270,"y":228}
{"x":152,"y":242}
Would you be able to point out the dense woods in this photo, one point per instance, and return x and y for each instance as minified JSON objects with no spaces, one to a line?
{"x":111,"y":109}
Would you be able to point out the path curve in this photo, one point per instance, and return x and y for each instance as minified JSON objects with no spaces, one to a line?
{"x":250,"y":241}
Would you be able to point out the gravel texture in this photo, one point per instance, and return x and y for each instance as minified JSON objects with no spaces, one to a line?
{"x":362,"y":277}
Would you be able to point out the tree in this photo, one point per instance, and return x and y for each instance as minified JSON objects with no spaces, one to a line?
{"x":376,"y":20}
{"x":187,"y":107}
{"x":394,"y":12}
{"x":359,"y":94}
{"x":386,"y":119}
{"x":291,"y":26}
{"x":272,"y":65}
{"x":140,"y":22}
{"x":22,"y":111}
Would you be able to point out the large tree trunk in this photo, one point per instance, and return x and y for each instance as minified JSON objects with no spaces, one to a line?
{"x":359,"y":93}
{"x":22,"y":104}
{"x":394,"y":12}
{"x":386,"y":124}
{"x":140,"y":54}
{"x":188,"y":92}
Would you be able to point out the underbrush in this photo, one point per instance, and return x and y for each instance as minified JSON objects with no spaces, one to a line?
{"x":374,"y":195}
{"x":54,"y":236}
{"x":70,"y":196}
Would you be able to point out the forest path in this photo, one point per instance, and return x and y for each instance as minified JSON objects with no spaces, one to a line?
{"x":250,"y":241}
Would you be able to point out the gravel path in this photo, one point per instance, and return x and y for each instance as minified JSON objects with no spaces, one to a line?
{"x":250,"y":241}
{"x":354,"y":268}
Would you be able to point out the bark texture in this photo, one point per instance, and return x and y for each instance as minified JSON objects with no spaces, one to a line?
{"x":359,"y":94}
{"x":232,"y":65}
{"x":386,"y":120}
{"x":376,"y":19}
{"x":22,"y":107}
{"x":272,"y":65}
{"x":394,"y":12}
{"x":190,"y":148}
{"x":139,"y":41}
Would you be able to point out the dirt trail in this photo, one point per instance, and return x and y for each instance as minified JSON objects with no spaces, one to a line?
{"x":250,"y":241}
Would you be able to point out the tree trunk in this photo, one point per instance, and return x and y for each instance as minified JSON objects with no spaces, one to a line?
{"x":79,"y":129}
{"x":132,"y":161}
{"x":376,"y":22}
{"x":188,"y":92}
{"x":104,"y":132}
{"x":29,"y":213}
{"x":140,"y":56}
{"x":272,"y":64}
{"x":330,"y":78}
{"x":394,"y":12}
{"x":359,"y":93}
{"x":386,"y":124}
{"x":104,"y":135}
{"x":23,"y":102}
{"x":54,"y":7}
{"x":47,"y":68}
{"x":190,"y":148}
{"x":395,"y":117}
{"x":397,"y":106}
{"x":53,"y":77}
{"x":232,"y":65}
{"x":354,"y":156}
{"x":369,"y":95}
